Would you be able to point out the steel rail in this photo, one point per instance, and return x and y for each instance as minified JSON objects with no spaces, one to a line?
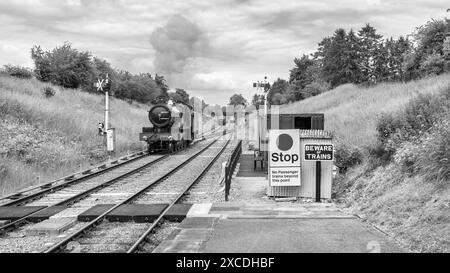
{"x":100,"y":218}
{"x":87,"y":174}
{"x":46,"y":190}
{"x":17,"y":223}
{"x":46,"y":187}
{"x":143,"y":237}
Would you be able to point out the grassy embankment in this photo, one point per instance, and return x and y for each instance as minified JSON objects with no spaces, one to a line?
{"x":406,"y":194}
{"x":52,"y":137}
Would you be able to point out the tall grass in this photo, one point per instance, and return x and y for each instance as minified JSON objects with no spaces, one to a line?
{"x":408,"y":194}
{"x":60,"y":131}
{"x":70,"y":112}
{"x":352,"y":111}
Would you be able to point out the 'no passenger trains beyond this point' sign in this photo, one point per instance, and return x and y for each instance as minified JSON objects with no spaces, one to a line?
{"x":284,"y":158}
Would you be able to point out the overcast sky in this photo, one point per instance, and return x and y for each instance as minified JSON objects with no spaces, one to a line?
{"x":210,"y":48}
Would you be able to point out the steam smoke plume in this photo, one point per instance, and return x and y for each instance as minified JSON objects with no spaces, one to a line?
{"x":176,"y":43}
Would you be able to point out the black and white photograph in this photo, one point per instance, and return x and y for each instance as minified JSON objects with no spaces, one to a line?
{"x":227,"y":133}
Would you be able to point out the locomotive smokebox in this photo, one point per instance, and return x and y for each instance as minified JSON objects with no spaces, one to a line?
{"x":160,"y":116}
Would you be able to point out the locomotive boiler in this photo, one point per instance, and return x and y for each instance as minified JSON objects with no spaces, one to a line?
{"x":172,"y":128}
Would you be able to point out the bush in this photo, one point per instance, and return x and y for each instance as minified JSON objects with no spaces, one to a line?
{"x":48,"y":91}
{"x":407,"y":156}
{"x":3,"y":171}
{"x":434,"y":153}
{"x":18,"y":72}
{"x":138,"y":89}
{"x":316,"y":88}
{"x":409,"y":124}
{"x":64,"y":66}
{"x":70,"y":68}
{"x":347,"y":157}
{"x":446,"y":49}
{"x":433,"y":64}
{"x":379,"y":155}
{"x":387,"y":126}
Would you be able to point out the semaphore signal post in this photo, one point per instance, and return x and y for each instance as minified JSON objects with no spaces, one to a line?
{"x":103,"y":85}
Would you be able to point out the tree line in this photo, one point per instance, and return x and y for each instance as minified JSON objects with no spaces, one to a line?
{"x":364,"y":57}
{"x":70,"y":68}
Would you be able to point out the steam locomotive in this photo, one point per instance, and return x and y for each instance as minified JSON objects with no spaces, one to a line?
{"x":172,"y":128}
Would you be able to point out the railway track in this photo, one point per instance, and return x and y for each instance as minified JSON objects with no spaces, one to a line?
{"x":139,"y":245}
{"x":75,"y":187}
{"x":78,"y":192}
{"x":69,"y":196}
{"x":19,"y":241}
{"x":79,"y":189}
{"x":118,"y":237}
{"x":210,"y":188}
{"x":39,"y":190}
{"x":100,"y":235}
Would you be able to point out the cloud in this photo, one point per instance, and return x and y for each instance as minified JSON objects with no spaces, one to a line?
{"x":213,"y":48}
{"x":177,"y":42}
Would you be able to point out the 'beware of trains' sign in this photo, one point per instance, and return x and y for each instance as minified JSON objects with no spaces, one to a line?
{"x":284,"y":158}
{"x":319,"y":152}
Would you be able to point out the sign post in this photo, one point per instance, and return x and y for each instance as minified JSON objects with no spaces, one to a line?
{"x":319,"y":153}
{"x":318,"y":176}
{"x":284,"y":158}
